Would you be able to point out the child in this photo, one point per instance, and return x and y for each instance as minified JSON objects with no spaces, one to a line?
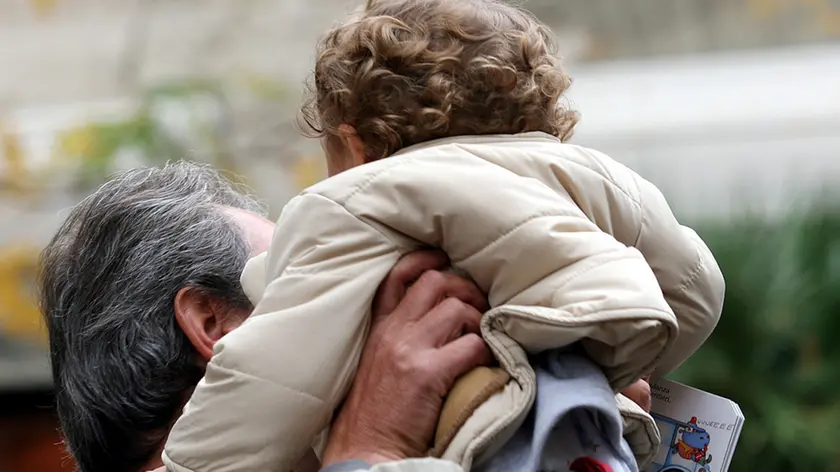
{"x":443,"y":126}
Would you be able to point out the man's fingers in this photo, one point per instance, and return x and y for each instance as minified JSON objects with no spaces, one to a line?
{"x":448,"y":321}
{"x":462,"y":355}
{"x":432,"y":288}
{"x":411,"y":266}
{"x":406,"y":272}
{"x":421,"y":297}
{"x":466,"y":291}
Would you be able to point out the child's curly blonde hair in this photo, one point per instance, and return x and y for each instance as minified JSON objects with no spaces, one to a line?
{"x":403,"y":72}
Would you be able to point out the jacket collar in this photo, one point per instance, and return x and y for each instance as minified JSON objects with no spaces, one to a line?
{"x":480,"y":139}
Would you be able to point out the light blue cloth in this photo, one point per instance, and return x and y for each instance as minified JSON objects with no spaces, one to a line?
{"x":574,"y":420}
{"x":347,"y":466}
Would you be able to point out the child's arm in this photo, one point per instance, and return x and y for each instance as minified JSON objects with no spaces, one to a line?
{"x":686,"y":270}
{"x":636,"y":213}
{"x":527,"y":245}
{"x":273,"y":383}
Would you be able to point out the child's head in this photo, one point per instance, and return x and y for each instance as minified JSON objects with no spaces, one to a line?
{"x":404,"y":72}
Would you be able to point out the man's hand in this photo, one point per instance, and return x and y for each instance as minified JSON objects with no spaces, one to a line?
{"x":424,"y":335}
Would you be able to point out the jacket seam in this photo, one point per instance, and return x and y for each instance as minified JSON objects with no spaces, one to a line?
{"x":343,"y":206}
{"x":506,"y":233}
{"x":642,"y":217}
{"x":607,"y":176}
{"x":407,"y":159}
{"x":594,"y":318}
{"x":363,"y":185}
{"x":599,"y":316}
{"x":279,"y":386}
{"x":592,"y":266}
{"x":589,"y":266}
{"x":698,"y":266}
{"x":694,"y":275}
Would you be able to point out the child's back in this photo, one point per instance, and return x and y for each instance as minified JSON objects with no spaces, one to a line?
{"x":569,"y":245}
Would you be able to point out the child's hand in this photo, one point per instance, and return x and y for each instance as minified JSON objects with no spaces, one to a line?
{"x":639,"y":392}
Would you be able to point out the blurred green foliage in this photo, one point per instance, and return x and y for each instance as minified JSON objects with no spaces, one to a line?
{"x":776,"y":351}
{"x":96,"y":147}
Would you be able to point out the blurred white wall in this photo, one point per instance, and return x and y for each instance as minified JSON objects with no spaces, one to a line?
{"x":92,"y":50}
{"x":720,"y":133}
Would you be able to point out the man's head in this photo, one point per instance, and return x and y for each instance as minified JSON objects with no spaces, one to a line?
{"x":403,"y":72}
{"x":136,"y":286}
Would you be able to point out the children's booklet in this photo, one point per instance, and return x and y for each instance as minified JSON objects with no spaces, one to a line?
{"x":699,"y":430}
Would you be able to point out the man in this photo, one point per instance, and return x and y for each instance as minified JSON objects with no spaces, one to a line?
{"x":143,"y":278}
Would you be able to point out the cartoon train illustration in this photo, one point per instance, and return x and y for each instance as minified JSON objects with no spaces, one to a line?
{"x":685,"y":447}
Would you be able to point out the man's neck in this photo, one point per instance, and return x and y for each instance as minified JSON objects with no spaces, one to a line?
{"x":156,"y":464}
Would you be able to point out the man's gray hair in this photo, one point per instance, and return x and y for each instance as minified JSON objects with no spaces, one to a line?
{"x":122,"y":367}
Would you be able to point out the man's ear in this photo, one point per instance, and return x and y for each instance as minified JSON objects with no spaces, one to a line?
{"x":353,"y":143}
{"x":203,"y":318}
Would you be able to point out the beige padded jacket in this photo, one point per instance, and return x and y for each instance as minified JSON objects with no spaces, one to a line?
{"x":569,"y":245}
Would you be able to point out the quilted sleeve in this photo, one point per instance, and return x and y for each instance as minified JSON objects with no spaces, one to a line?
{"x":686,"y":270}
{"x":273,"y":383}
{"x":636,"y":213}
{"x":533,"y":250}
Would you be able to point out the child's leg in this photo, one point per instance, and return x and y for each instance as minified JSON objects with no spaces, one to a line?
{"x":574,"y":425}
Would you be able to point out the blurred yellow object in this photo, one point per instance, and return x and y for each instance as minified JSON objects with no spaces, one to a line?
{"x":831,"y":24}
{"x":14,"y":172}
{"x":308,"y":171}
{"x":764,"y":8}
{"x":19,"y":314}
{"x":823,"y":13}
{"x":77,"y":143}
{"x":268,"y":88}
{"x":43,"y":7}
{"x":829,"y":16}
